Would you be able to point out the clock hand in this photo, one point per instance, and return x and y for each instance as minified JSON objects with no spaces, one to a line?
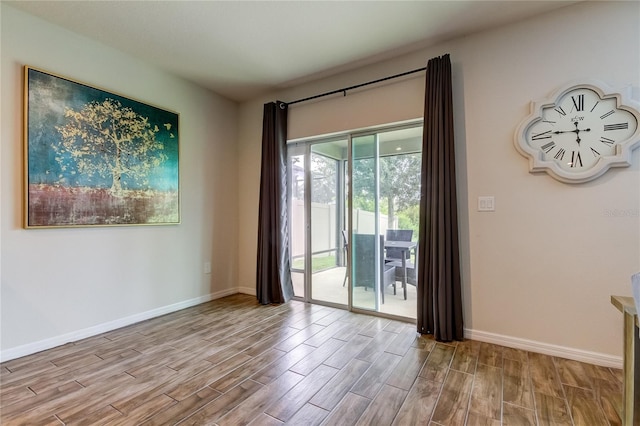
{"x":576,"y":131}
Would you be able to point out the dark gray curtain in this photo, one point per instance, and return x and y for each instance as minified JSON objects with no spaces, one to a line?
{"x":439,"y":289}
{"x":273,"y":280}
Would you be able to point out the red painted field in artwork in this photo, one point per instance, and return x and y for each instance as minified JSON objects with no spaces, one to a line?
{"x":51,"y":205}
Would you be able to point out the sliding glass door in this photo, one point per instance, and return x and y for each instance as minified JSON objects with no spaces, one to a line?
{"x":345,"y":193}
{"x":317,"y":211}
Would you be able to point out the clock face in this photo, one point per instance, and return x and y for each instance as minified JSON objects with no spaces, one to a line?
{"x":580,"y":129}
{"x":580,"y":134}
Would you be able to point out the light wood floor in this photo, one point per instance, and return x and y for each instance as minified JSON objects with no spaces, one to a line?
{"x":232,"y":362}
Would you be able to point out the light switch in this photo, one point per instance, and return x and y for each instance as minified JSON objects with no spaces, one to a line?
{"x":486,"y":204}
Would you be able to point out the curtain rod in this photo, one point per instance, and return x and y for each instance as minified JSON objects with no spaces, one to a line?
{"x":333,"y":92}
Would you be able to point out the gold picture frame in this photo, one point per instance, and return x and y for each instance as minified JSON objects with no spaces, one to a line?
{"x":95,"y":158}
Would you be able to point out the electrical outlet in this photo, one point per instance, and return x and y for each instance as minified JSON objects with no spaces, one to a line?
{"x":207,"y":267}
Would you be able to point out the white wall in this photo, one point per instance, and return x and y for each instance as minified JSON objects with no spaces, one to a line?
{"x":539,"y":271}
{"x":60,"y":284}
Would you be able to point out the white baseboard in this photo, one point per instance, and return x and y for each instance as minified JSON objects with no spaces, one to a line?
{"x":247,"y":290}
{"x":481,"y":336}
{"x":545,"y":348}
{"x":74,"y":336}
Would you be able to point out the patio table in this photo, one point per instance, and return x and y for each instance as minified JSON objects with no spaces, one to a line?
{"x":404,"y":246}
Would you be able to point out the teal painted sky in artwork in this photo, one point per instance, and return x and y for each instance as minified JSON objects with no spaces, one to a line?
{"x":50,"y":96}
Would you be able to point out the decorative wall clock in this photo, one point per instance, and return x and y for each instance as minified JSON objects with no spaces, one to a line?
{"x":580,"y":132}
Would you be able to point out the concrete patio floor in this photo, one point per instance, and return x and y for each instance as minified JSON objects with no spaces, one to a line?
{"x":327,"y":287}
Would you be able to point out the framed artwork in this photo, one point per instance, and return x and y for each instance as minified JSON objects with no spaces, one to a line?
{"x":95,"y":158}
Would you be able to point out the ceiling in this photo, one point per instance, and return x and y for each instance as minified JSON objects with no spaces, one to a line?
{"x":241,"y":49}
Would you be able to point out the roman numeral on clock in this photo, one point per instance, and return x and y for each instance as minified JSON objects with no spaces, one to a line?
{"x":618,"y":126}
{"x":575,"y":159}
{"x":560,"y":154}
{"x":560,"y":111}
{"x":606,"y":114}
{"x":578,"y":102}
{"x":607,"y":141}
{"x":543,"y":135}
{"x":594,"y":152}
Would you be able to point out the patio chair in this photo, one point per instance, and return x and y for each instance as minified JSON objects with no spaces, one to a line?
{"x":363,"y":268}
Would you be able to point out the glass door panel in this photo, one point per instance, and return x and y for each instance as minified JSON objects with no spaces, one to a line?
{"x":365,"y":247}
{"x":326,"y":223}
{"x":297,"y":215}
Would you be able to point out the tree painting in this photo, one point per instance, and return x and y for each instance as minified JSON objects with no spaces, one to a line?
{"x":96,"y":158}
{"x":110,"y":140}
